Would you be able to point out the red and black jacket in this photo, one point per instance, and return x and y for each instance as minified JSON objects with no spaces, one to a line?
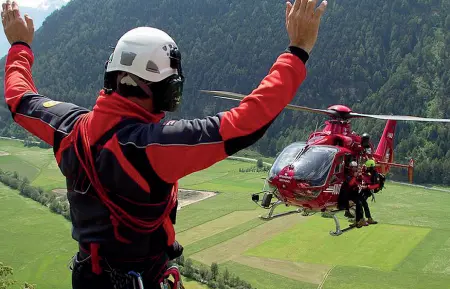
{"x":137,"y":158}
{"x":370,"y":179}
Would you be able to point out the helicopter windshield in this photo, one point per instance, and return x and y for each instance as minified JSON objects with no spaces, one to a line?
{"x":314,"y":165}
{"x":286,"y":157}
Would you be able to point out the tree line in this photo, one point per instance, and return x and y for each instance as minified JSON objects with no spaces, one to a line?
{"x":6,"y":281}
{"x":56,"y":203}
{"x":260,"y":167}
{"x":211,"y":276}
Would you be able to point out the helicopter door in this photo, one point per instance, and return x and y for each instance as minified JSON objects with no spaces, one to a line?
{"x":338,"y":172}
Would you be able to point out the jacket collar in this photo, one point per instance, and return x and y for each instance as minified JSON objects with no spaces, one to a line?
{"x":114,"y":104}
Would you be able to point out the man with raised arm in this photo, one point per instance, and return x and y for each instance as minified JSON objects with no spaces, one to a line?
{"x":121,"y":163}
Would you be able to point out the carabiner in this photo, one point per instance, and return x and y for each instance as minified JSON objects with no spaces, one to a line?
{"x":138,"y":278}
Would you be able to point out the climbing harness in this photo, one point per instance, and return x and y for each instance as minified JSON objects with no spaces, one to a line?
{"x":132,"y":279}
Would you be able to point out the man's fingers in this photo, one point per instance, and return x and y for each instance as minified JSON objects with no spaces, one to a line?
{"x":15,"y":9}
{"x":9,"y":11}
{"x":302,"y":7}
{"x":297,"y":5}
{"x":310,"y":7}
{"x":4,"y":13}
{"x":30,"y":23}
{"x":320,"y":10}
{"x":288,"y":10}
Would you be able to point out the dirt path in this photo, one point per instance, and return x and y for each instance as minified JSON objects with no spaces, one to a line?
{"x":2,"y":154}
{"x":311,"y":273}
{"x":187,"y":197}
{"x":60,"y":191}
{"x":248,"y":160}
{"x":233,"y":248}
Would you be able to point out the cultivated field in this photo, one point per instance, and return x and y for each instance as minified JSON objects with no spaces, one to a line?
{"x":410,"y":248}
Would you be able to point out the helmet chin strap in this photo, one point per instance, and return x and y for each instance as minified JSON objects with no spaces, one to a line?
{"x":131,"y":77}
{"x":141,"y":84}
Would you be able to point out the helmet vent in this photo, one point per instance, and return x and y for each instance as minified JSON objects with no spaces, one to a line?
{"x":152,"y":67}
{"x":127,"y":58}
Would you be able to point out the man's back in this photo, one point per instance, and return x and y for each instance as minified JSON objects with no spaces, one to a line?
{"x":122,"y":165}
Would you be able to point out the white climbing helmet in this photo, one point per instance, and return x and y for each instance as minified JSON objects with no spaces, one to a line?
{"x":353,"y":164}
{"x":145,"y":52}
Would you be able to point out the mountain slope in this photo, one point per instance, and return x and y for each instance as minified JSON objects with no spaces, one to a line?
{"x":375,"y":56}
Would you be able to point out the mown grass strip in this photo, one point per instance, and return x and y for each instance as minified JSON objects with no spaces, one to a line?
{"x":221,"y":237}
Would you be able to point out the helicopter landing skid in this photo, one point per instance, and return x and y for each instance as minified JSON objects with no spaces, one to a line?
{"x":338,"y":231}
{"x":271,"y":216}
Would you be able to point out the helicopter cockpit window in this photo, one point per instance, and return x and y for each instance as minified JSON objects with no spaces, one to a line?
{"x":286,"y":157}
{"x":314,"y":165}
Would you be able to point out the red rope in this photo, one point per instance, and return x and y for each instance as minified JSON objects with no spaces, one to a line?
{"x":117,"y":212}
{"x":95,"y":258}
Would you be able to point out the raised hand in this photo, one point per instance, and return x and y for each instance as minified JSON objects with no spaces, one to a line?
{"x":15,"y":27}
{"x":302,"y":22}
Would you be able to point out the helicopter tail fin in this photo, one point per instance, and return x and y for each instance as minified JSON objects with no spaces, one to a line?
{"x":385,"y":149}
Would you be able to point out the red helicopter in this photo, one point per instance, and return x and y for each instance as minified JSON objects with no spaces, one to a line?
{"x":309,"y":175}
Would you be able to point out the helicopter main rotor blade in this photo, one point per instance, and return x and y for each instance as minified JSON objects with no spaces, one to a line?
{"x":238,"y":96}
{"x":399,"y":117}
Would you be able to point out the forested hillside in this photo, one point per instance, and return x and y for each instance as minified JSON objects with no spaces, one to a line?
{"x":375,"y":56}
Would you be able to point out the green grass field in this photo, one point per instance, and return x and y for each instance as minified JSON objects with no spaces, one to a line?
{"x":35,"y":242}
{"x":381,"y":247}
{"x":410,"y":248}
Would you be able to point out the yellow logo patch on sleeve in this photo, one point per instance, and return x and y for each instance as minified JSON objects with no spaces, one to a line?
{"x":50,"y":103}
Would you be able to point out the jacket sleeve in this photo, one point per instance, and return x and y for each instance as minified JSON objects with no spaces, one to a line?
{"x":373,"y":186}
{"x":178,"y":148}
{"x":45,"y":118}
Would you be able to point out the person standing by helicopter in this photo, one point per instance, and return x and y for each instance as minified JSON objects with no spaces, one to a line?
{"x":349,"y":189}
{"x":370,"y":182}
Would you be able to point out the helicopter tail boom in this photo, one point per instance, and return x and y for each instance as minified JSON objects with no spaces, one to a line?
{"x":409,"y":166}
{"x":385,"y":149}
